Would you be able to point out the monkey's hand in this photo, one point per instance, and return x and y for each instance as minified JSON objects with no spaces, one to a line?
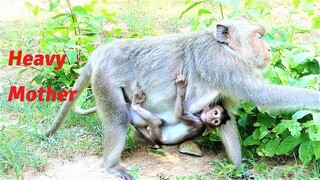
{"x":181,"y":83}
{"x":138,"y":97}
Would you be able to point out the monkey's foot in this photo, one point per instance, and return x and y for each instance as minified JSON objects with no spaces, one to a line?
{"x":142,"y":139}
{"x":191,"y":148}
{"x":181,"y":80}
{"x":155,"y":146}
{"x":138,"y":96}
{"x":120,"y":171}
{"x":151,"y":133}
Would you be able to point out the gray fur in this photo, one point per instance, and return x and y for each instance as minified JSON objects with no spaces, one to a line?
{"x":153,"y":63}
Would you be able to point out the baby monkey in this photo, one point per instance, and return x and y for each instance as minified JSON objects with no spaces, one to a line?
{"x":190,"y":125}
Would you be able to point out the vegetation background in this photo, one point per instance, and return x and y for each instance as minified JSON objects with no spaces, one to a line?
{"x":275,"y":144}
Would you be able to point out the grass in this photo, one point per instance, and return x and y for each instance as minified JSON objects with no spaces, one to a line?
{"x":21,"y":146}
{"x":144,"y":18}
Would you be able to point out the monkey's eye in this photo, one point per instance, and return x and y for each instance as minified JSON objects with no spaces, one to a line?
{"x":215,"y":112}
{"x":259,"y":35}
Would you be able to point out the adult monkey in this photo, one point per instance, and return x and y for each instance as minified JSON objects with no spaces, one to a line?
{"x":225,"y":64}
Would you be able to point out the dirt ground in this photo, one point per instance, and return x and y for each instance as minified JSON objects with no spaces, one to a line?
{"x":152,"y":166}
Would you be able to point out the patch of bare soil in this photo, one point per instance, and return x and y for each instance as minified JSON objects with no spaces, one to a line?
{"x":152,"y":166}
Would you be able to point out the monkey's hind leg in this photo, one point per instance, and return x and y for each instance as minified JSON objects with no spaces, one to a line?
{"x":115,"y":118}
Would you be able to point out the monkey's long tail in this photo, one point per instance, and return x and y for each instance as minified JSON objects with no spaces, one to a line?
{"x":84,"y":112}
{"x":81,"y":83}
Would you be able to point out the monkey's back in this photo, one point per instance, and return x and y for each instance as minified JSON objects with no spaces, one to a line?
{"x":152,"y":64}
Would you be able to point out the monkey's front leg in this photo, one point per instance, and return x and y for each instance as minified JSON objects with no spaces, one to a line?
{"x":155,"y":124}
{"x":180,"y":109}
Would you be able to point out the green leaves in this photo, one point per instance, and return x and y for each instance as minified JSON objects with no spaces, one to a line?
{"x":249,"y":141}
{"x":300,"y":114}
{"x":271,"y":146}
{"x":265,"y":119}
{"x":296,"y":3}
{"x":280,"y":128}
{"x":288,"y":144}
{"x":191,"y":7}
{"x":316,"y":119}
{"x":73,"y":32}
{"x":300,"y":58}
{"x":308,"y":7}
{"x":203,"y":11}
{"x":53,"y":4}
{"x":309,"y":146}
{"x":306,"y":151}
{"x":316,"y":22}
{"x":294,"y":128}
{"x":79,"y":11}
{"x":314,"y":133}
{"x":316,"y":149}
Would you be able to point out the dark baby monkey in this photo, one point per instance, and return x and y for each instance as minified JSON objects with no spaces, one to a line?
{"x":191,"y":125}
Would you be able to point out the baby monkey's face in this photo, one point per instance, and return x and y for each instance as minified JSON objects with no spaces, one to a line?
{"x":212,"y":117}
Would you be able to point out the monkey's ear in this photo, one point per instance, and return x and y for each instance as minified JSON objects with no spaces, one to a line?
{"x":222,"y":33}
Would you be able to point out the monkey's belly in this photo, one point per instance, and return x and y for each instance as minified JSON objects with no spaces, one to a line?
{"x":174,"y":134}
{"x":168,"y":117}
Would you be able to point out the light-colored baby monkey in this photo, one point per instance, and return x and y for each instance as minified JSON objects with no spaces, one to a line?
{"x":194,"y":125}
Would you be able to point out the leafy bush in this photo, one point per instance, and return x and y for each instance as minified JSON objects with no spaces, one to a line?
{"x":74,"y":31}
{"x":294,"y":63}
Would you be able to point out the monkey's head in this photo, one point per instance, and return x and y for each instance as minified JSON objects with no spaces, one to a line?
{"x":213,"y":117}
{"x":245,"y":38}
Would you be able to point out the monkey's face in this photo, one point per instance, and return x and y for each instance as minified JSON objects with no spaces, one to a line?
{"x":246,"y":38}
{"x":260,"y":50}
{"x":252,"y":45}
{"x":212,"y":117}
